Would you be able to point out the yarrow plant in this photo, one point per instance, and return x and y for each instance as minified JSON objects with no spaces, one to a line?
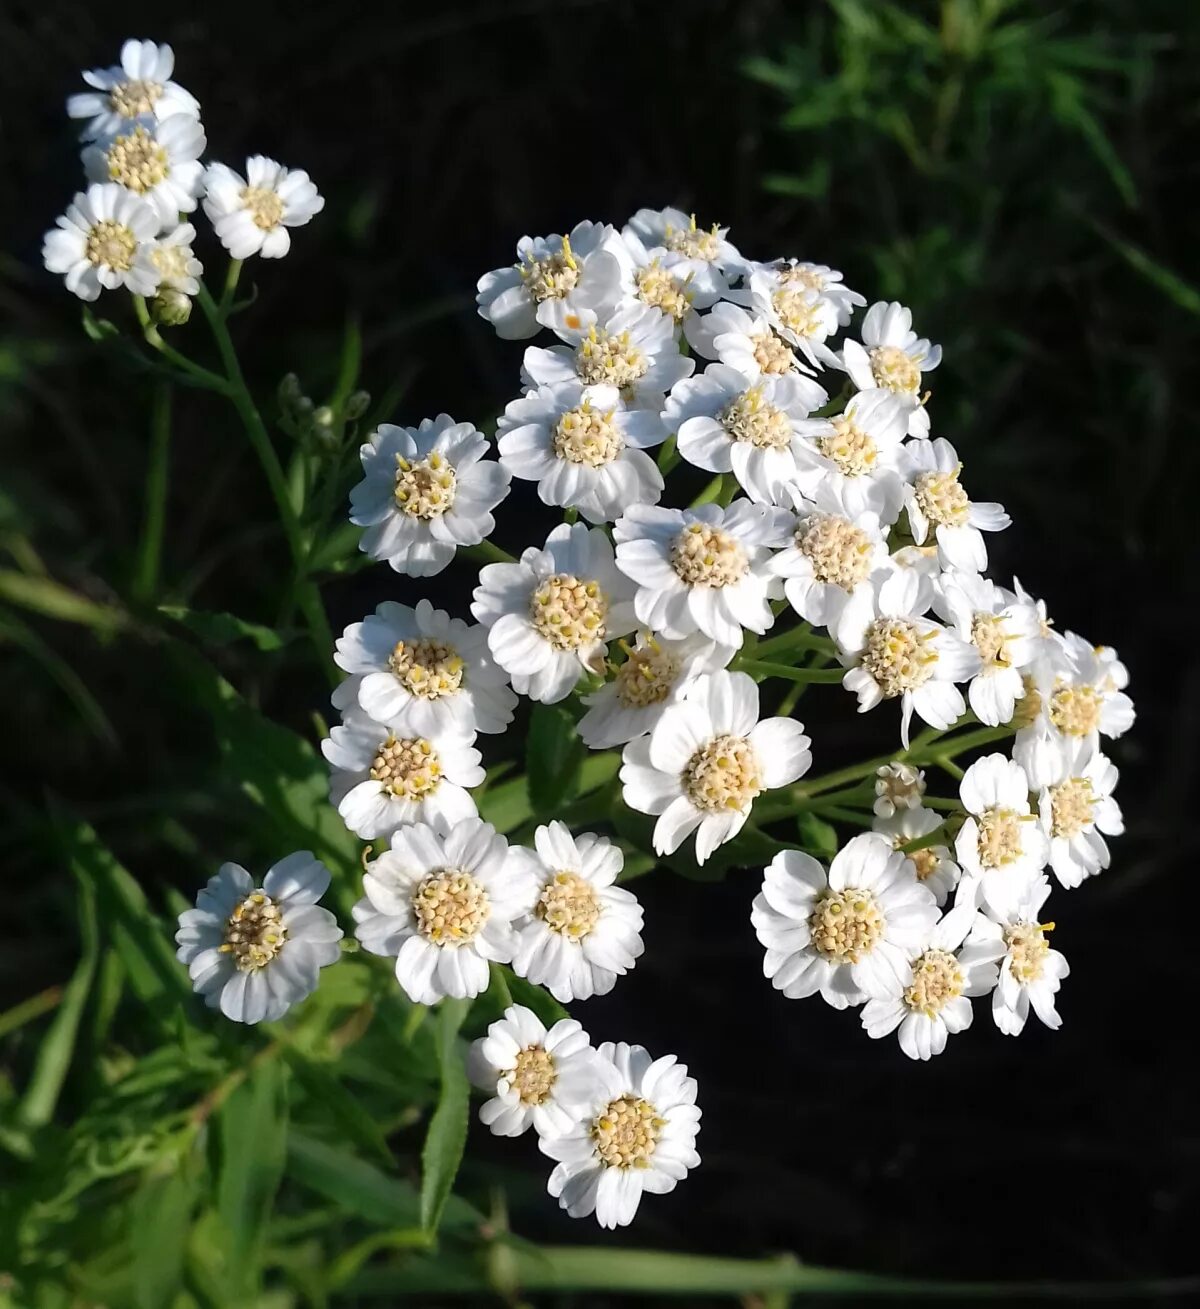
{"x":653,"y":645}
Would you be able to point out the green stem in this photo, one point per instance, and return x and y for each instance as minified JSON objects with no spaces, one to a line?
{"x":668,"y":455}
{"x":800,"y":637}
{"x":232,"y":273}
{"x":937,"y":802}
{"x":205,"y":377}
{"x":711,"y":492}
{"x":790,"y":674}
{"x":307,"y":594}
{"x":149,"y":556}
{"x":855,"y":816}
{"x":487,"y":552}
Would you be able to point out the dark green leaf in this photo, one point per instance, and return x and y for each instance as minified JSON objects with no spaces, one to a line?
{"x":816,"y":835}
{"x":553,"y":756}
{"x":160,"y":1215}
{"x":447,"y":1133}
{"x":224,"y":629}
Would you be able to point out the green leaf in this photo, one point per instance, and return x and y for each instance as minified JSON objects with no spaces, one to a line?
{"x":351,"y":1183}
{"x":99,"y":329}
{"x":553,"y":756}
{"x":816,"y":835}
{"x":252,"y":1137}
{"x":160,"y":1216}
{"x":447,"y":1133}
{"x":43,"y":595}
{"x":339,"y":1105}
{"x":224,"y":629}
{"x":533,"y":997}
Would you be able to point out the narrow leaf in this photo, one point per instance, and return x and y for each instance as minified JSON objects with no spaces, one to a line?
{"x":554,"y":754}
{"x":225,"y":629}
{"x":160,"y":1216}
{"x":447,"y":1133}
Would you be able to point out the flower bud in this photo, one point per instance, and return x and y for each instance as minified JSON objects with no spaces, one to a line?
{"x":171,"y":308}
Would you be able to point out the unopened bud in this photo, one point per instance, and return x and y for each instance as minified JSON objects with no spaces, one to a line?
{"x":356,"y":405}
{"x":171,"y":308}
{"x":323,"y":417}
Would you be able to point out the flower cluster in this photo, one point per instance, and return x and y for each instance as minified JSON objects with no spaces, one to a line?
{"x":143,"y":143}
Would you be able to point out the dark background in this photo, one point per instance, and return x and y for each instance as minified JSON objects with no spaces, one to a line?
{"x":1027,"y":187}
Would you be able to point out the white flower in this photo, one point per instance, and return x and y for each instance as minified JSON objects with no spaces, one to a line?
{"x":707,"y":759}
{"x":857,"y":454}
{"x":559,"y":282}
{"x":702,"y":569}
{"x":157,"y":161}
{"x":139,"y":87}
{"x":423,"y":673}
{"x":726,"y":422}
{"x":892,"y":651}
{"x":704,"y":255}
{"x":655,"y":674}
{"x":1030,"y":971}
{"x":425,"y":491}
{"x":746,"y":342}
{"x":253,"y":953}
{"x":937,"y":503}
{"x":835,"y":553}
{"x":1076,"y":809}
{"x":934,"y":866}
{"x":550,"y":615}
{"x":795,"y":276}
{"x":172,"y":255}
{"x":1001,"y":844}
{"x":634,"y":350}
{"x":936,"y":1002}
{"x":536,"y":1077}
{"x":442,"y":901}
{"x":381,"y":780}
{"x":103,"y":241}
{"x":583,"y":448}
{"x":661,"y":280}
{"x":637,"y":1135}
{"x":1004,"y":629}
{"x":898,"y":786}
{"x":583,"y":932}
{"x":251,"y":215}
{"x":848,"y":935}
{"x":802,"y":317}
{"x":894,"y":357}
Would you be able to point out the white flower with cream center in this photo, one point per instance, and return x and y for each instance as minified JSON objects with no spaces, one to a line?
{"x":706,"y":761}
{"x":106,"y":239}
{"x":176,"y":262}
{"x":898,"y":786}
{"x":704,"y":256}
{"x":794,"y":276}
{"x":892,"y":356}
{"x":1077,"y":811}
{"x":158,"y":161}
{"x":938,"y":506}
{"x":251,"y":215}
{"x":857,"y":455}
{"x":934,"y":865}
{"x":743,"y":341}
{"x":139,"y":88}
{"x":1001,"y":845}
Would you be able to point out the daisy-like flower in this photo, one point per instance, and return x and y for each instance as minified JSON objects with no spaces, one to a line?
{"x":442,"y":900}
{"x":584,"y":932}
{"x":535,"y":1077}
{"x":936,"y":1003}
{"x":1004,"y":629}
{"x":550,"y":615}
{"x":1078,"y":811}
{"x":938,"y":505}
{"x":140,"y":87}
{"x":425,"y":491}
{"x":178,"y":267}
{"x":848,"y":935}
{"x":934,"y":865}
{"x":803,"y":318}
{"x":157,"y":161}
{"x":251,"y":215}
{"x":726,"y":422}
{"x":656,"y":673}
{"x":583,"y":448}
{"x":637,"y":1135}
{"x":634,"y":350}
{"x":1030,"y":971}
{"x":747,"y":342}
{"x":857,"y":454}
{"x":703,"y":255}
{"x":892,"y":356}
{"x":1001,"y":845}
{"x":898,"y":786}
{"x":253,"y":952}
{"x":702,"y":569}
{"x":661,"y":280}
{"x":103,"y":241}
{"x":893,"y":652}
{"x":835,"y":551}
{"x":796,"y":276}
{"x":423,"y":673}
{"x":559,"y":282}
{"x":707,"y":759}
{"x":382,"y":779}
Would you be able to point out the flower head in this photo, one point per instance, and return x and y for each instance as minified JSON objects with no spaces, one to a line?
{"x":934,"y":865}
{"x":1001,"y":845}
{"x":103,"y":241}
{"x":938,"y":506}
{"x":1077,"y":810}
{"x":892,"y":356}
{"x":138,"y":88}
{"x":251,"y":215}
{"x":159,"y":161}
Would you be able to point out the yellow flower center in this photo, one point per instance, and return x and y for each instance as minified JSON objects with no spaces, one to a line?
{"x":937,"y":979}
{"x":568,"y":904}
{"x":661,"y":289}
{"x":426,"y":488}
{"x":798,"y":275}
{"x":773,"y":354}
{"x":926,"y":861}
{"x":603,"y":358}
{"x":851,"y":449}
{"x":941,"y":499}
{"x":534,"y":1076}
{"x":723,"y":774}
{"x":568,"y":612}
{"x":111,"y":245}
{"x":625,"y":1132}
{"x":586,"y":436}
{"x":264,"y":205}
{"x":137,"y":162}
{"x":898,"y":655}
{"x":1071,"y":804}
{"x":646,"y":677}
{"x":135,"y":97}
{"x":450,"y":907}
{"x":799,"y":311}
{"x":1027,"y":950}
{"x":1075,"y":710}
{"x":1029,"y":706}
{"x":999,"y":841}
{"x":171,"y":262}
{"x":839,"y":552}
{"x":429,"y":669}
{"x":553,"y":276}
{"x":706,"y":556}
{"x":254,"y":933}
{"x":748,"y":417}
{"x":845,"y":925}
{"x":407,"y":766}
{"x":694,"y":242}
{"x":990,"y":639}
{"x":894,"y":370}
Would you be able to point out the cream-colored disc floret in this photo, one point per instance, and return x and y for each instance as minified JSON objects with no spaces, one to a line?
{"x":425,"y":488}
{"x":1071,"y":804}
{"x":264,"y":206}
{"x":723,"y":775}
{"x":798,"y":311}
{"x":584,"y":435}
{"x":568,"y":612}
{"x":450,"y":907}
{"x":254,"y":933}
{"x":1029,"y":706}
{"x":610,"y":359}
{"x":898,"y":655}
{"x":937,"y":979}
{"x":845,"y":925}
{"x":533,"y":1077}
{"x":407,"y":766}
{"x":625,"y":1132}
{"x":772,"y":353}
{"x":135,"y":97}
{"x":659,"y":288}
{"x":941,"y":499}
{"x":694,"y":242}
{"x":553,"y":276}
{"x":707,"y":556}
{"x":840,"y":552}
{"x":991,"y":640}
{"x":568,"y":904}
{"x":894,"y":370}
{"x":850,"y":448}
{"x":428,"y":668}
{"x":137,"y":162}
{"x":111,"y":245}
{"x":796,"y":275}
{"x":1075,"y":710}
{"x":1027,"y":950}
{"x":647,"y":676}
{"x":171,"y":262}
{"x":999,"y":842}
{"x":749,"y":417}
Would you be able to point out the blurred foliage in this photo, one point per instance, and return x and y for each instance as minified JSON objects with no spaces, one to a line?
{"x":1021,"y":174}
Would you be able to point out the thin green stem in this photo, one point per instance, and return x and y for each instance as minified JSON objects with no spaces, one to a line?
{"x":939,"y":802}
{"x":150,"y":334}
{"x":711,"y":492}
{"x":232,"y":273}
{"x":800,"y":637}
{"x":487,"y":552}
{"x":854,"y":816}
{"x":149,"y":555}
{"x":948,"y":765}
{"x":668,"y":455}
{"x":761,"y":668}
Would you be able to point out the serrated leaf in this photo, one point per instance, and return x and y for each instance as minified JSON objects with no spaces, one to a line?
{"x":225,"y":629}
{"x":447,"y":1134}
{"x":553,"y":757}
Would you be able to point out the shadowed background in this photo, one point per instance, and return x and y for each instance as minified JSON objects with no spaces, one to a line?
{"x":1021,"y":176}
